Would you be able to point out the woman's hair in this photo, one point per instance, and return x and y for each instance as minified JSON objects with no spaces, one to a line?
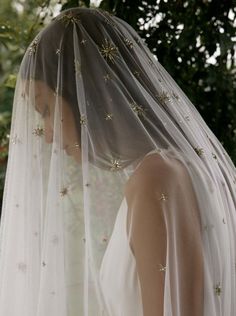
{"x":58,"y":38}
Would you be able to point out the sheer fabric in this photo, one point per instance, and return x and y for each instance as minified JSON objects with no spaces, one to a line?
{"x":118,"y":199}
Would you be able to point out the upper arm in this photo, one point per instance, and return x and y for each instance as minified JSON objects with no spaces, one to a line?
{"x":165,"y":230}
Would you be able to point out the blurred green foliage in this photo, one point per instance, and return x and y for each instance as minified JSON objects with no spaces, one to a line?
{"x":193,"y":40}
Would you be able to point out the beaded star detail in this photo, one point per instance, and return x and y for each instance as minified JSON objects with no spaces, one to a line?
{"x":162,"y":268}
{"x":107,"y":77}
{"x":33,"y":46}
{"x":68,"y":18}
{"x":163,"y":197}
{"x":39,"y":131}
{"x":129,"y":43}
{"x":164,"y":97}
{"x":138,"y":109}
{"x":109,"y":51}
{"x":218,"y":289}
{"x":83,"y":120}
{"x":199,"y":151}
{"x":115,"y":165}
{"x":64,"y":192}
{"x":108,"y":116}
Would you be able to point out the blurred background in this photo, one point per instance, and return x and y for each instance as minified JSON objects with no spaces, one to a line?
{"x":194,"y":40}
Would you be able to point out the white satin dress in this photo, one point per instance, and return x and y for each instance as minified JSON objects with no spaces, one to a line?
{"x":118,"y":276}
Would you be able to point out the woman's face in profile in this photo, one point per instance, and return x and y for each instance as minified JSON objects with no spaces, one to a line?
{"x":45,"y":100}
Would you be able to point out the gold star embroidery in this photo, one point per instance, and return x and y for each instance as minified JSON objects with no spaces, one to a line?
{"x":214,"y":156}
{"x":138,"y":109}
{"x":199,"y":151}
{"x":129,"y":43}
{"x":83,"y":120}
{"x":162,"y":268}
{"x":107,"y":77}
{"x":109,"y":51}
{"x":136,"y":73}
{"x":33,"y":46}
{"x":115,"y":164}
{"x":164,"y":97}
{"x":77,"y":67}
{"x":163,"y":197}
{"x":83,"y":41}
{"x":218,"y":289}
{"x":68,"y":18}
{"x":64,"y":192}
{"x":108,"y":116}
{"x":39,"y":131}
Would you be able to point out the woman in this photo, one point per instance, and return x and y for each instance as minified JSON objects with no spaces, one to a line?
{"x":119,"y":200}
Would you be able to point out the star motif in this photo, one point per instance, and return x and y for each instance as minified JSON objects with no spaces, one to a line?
{"x":83,"y":41}
{"x":163,"y":197}
{"x":164,"y":97}
{"x":129,"y":43}
{"x":138,"y":109}
{"x":33,"y":46}
{"x":162,"y":268}
{"x":218,"y":289}
{"x":64,"y":192}
{"x":107,"y":77}
{"x":39,"y":131}
{"x":108,"y":116}
{"x":136,"y":73}
{"x":115,"y":165}
{"x":214,"y":156}
{"x":83,"y":120}
{"x":109,"y":51}
{"x":68,"y":18}
{"x":199,"y":151}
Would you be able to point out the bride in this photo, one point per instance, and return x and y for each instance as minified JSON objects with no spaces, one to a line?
{"x":118,"y":200}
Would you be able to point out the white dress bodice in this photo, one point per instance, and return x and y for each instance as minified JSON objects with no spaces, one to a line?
{"x":118,"y":276}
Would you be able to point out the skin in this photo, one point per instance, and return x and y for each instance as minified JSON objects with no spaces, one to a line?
{"x":45,"y":100}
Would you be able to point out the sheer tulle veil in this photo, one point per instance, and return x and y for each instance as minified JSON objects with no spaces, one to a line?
{"x":91,"y":103}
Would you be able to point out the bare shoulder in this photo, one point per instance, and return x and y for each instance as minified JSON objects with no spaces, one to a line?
{"x":155,"y":171}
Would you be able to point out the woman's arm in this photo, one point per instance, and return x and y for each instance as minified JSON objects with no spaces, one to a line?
{"x":165,"y":234}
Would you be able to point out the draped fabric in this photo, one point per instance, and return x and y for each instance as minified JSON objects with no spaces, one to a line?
{"x":118,"y":200}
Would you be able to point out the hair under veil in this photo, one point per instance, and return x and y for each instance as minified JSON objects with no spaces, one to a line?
{"x":118,"y":200}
